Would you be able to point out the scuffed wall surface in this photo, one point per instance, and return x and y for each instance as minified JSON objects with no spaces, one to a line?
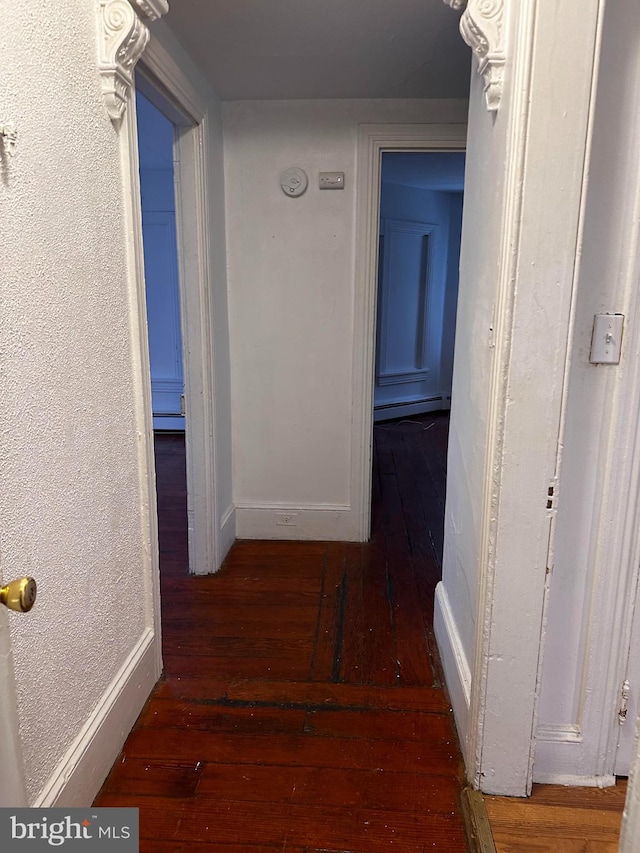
{"x":291,"y":283}
{"x":70,"y":502}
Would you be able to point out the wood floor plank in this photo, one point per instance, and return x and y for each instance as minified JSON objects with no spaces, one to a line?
{"x":553,"y":821}
{"x":414,"y":663}
{"x":379,"y":665}
{"x":325,"y":665}
{"x":163,"y":779}
{"x":354,"y":633}
{"x":207,"y":613}
{"x":408,"y":464}
{"x":378,"y":789}
{"x":160,"y":817}
{"x":172,"y":714}
{"x":437,"y":758}
{"x":305,"y":694}
{"x":299,"y":627}
{"x":338,"y":828}
{"x":200,"y":643}
{"x":203,"y":666}
{"x":507,"y":843}
{"x":400,"y":725}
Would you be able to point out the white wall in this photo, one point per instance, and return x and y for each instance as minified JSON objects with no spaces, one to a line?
{"x":291,"y":284}
{"x":73,"y":489}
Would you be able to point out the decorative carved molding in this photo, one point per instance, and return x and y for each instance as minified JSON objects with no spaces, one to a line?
{"x":123,"y":38}
{"x":481,"y":26}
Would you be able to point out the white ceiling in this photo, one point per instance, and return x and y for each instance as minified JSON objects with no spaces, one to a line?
{"x":283,"y":49}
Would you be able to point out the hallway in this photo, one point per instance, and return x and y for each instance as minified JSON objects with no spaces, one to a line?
{"x":301,"y":707}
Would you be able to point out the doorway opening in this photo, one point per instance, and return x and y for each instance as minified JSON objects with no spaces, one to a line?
{"x":420,"y":218}
{"x":174,"y":184}
{"x":162,"y":288}
{"x":156,"y":135}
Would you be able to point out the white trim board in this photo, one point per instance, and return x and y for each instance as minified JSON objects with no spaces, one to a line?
{"x":227,"y":535}
{"x":322,"y":522}
{"x":455,"y":664}
{"x":391,"y":411}
{"x":188,"y":106}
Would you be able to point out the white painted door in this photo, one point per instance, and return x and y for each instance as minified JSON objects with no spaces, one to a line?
{"x":12,"y":789}
{"x":163,"y":317}
{"x":629,"y":702}
{"x":410,"y":316}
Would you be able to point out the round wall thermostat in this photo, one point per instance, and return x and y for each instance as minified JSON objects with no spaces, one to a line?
{"x":293,"y":181}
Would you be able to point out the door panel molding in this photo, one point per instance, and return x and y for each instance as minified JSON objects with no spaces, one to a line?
{"x":385,"y":374}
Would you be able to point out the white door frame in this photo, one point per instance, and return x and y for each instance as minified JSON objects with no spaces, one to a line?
{"x":162,"y":81}
{"x":12,"y":781}
{"x":373,"y":140}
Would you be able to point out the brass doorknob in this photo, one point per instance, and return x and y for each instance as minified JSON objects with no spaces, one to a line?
{"x":19,"y":595}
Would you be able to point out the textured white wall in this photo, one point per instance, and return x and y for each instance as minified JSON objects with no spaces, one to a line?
{"x":71,"y":500}
{"x":291,"y":283}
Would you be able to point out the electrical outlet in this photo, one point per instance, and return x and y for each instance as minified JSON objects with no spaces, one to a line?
{"x":288,"y":519}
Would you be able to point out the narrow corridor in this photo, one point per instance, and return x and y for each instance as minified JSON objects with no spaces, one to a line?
{"x":301,"y":707}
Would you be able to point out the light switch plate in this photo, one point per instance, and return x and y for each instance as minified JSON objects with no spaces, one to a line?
{"x":331,"y":180}
{"x":606,"y":341}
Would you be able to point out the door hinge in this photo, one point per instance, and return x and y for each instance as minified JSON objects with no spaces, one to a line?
{"x":552,"y":497}
{"x":182,"y":408}
{"x":625,"y":692}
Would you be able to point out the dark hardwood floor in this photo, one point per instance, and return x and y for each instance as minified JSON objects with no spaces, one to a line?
{"x":302,"y":707}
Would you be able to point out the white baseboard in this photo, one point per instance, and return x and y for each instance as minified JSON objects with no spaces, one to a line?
{"x":328,"y":522}
{"x":455,"y":664}
{"x":86,"y":764}
{"x":568,"y":780}
{"x":227,"y":534}
{"x":402,"y":410}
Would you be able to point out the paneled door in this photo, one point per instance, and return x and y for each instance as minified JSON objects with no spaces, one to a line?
{"x":12,"y":789}
{"x":410,"y":317}
{"x":629,"y":698}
